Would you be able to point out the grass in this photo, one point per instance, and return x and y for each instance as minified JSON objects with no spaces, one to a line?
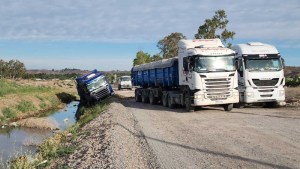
{"x":25,"y":106}
{"x":8,"y":113}
{"x":8,"y":87}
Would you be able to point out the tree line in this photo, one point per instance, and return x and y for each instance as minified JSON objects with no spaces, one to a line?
{"x":12,"y":69}
{"x":212,"y":28}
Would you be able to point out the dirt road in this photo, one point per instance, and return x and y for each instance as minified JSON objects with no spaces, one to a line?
{"x":140,"y":135}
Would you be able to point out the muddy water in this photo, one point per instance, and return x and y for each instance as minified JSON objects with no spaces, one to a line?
{"x":21,"y":140}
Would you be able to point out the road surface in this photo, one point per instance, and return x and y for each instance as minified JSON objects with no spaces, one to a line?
{"x":137,"y":135}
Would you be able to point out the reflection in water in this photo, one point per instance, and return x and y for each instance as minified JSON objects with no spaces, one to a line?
{"x":17,"y":141}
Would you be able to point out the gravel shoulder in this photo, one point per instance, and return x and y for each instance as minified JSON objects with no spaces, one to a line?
{"x":137,"y":135}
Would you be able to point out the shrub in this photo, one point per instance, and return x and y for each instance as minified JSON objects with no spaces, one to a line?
{"x":293,"y":81}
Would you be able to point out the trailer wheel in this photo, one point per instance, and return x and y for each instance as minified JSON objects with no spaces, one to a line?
{"x":165,"y":100}
{"x":137,"y":96}
{"x":152,"y":99}
{"x":170,"y":103}
{"x":145,"y":98}
{"x":228,"y":107}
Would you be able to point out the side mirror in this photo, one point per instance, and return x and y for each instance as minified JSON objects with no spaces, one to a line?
{"x":283,"y":63}
{"x":191,"y":64}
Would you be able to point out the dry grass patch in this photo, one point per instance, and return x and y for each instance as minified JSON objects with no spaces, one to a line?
{"x":41,"y":123}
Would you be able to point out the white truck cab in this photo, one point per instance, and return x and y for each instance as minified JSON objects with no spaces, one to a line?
{"x":260,"y":74}
{"x":125,"y":83}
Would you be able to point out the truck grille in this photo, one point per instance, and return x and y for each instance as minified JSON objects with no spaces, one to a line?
{"x":102,"y":93}
{"x":271,"y":82}
{"x":218,"y":89}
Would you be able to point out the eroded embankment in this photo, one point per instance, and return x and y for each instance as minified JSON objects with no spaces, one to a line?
{"x":19,"y":100}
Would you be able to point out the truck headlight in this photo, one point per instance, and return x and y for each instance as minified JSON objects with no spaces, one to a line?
{"x":200,"y":96}
{"x":249,"y":94}
{"x":281,"y":92}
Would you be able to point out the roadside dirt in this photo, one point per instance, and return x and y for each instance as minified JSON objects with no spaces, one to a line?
{"x":137,"y":135}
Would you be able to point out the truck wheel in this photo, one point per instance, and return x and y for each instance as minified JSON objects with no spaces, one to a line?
{"x":137,"y":97}
{"x":119,"y":87}
{"x":170,"y":104}
{"x":145,"y":98}
{"x":152,"y":99}
{"x":165,"y":100}
{"x":228,"y":107}
{"x":188,"y":106}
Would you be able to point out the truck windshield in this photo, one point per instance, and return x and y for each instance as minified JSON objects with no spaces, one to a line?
{"x":125,"y":78}
{"x":214,"y":63}
{"x":96,"y":83}
{"x":268,"y":64}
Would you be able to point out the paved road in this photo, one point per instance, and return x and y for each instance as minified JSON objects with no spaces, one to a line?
{"x":213,"y":138}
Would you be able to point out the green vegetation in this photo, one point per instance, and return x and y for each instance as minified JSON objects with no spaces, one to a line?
{"x":25,"y":106}
{"x":8,"y":113}
{"x":212,"y":27}
{"x":293,"y":81}
{"x":9,"y":87}
{"x":46,"y":76}
{"x":11,"y":69}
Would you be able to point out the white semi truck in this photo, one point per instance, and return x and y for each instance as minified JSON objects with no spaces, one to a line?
{"x":260,"y":74}
{"x":202,"y":74}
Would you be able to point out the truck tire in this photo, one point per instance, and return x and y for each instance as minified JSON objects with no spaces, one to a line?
{"x":170,"y":103}
{"x":228,"y":107}
{"x":145,"y":98}
{"x":164,"y":100}
{"x":137,"y":97}
{"x":187,"y":102}
{"x":152,"y":99}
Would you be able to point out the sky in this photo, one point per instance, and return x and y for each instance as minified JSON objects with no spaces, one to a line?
{"x":107,"y":34}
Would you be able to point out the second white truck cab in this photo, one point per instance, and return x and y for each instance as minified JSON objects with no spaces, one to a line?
{"x":260,"y":74}
{"x":124,"y":83}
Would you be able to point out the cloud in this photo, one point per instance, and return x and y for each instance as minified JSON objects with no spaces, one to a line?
{"x":135,"y":20}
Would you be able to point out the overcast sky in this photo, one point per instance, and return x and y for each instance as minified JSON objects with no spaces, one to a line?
{"x":106,"y":35}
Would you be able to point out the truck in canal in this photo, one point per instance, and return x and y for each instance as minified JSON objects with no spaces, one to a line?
{"x":93,"y":87}
{"x":203,"y":73}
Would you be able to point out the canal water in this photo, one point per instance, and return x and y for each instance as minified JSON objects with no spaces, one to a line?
{"x":20,"y":140}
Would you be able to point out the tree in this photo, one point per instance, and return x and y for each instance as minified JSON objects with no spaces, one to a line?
{"x":12,"y":69}
{"x":168,"y":45}
{"x":156,"y":57}
{"x":217,"y":24}
{"x":141,"y":58}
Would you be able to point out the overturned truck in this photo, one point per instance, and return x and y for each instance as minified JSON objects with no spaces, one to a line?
{"x":93,"y":87}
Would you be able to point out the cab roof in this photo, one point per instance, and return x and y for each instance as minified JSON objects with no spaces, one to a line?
{"x":254,"y":48}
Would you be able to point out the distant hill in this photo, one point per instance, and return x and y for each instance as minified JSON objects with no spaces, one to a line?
{"x":71,"y":71}
{"x":292,"y":71}
{"x":288,"y":71}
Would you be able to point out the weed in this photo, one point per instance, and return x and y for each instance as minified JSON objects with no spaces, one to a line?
{"x":25,"y":106}
{"x":43,"y":105}
{"x":8,"y":113}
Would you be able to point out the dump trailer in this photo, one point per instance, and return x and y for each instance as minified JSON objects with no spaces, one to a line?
{"x":93,"y":87}
{"x":202,"y":74}
{"x":260,"y":74}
